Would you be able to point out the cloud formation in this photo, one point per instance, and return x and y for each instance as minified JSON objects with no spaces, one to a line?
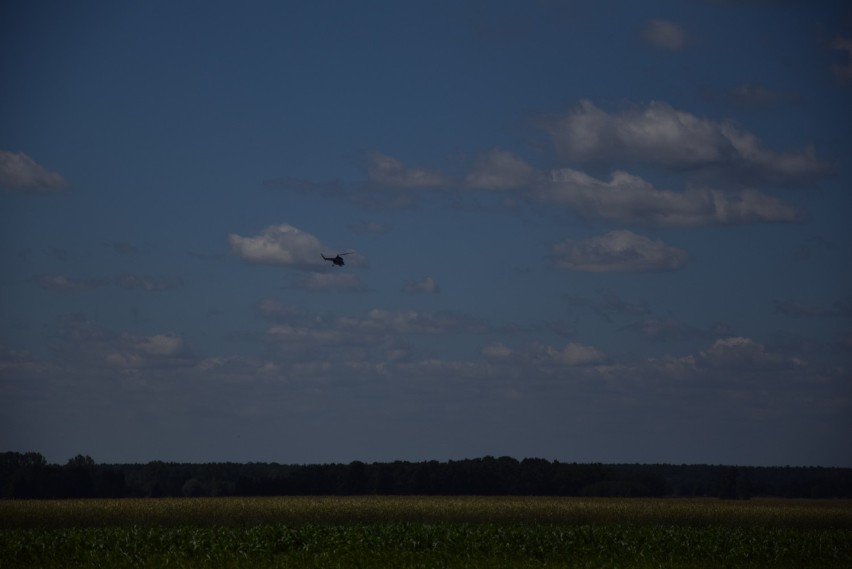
{"x":500,"y":170}
{"x":630,"y":199}
{"x":725,"y":168}
{"x":20,"y":172}
{"x":295,"y":329}
{"x":426,"y":285}
{"x":542,"y":356}
{"x":388,"y":171}
{"x":667,"y":328}
{"x":85,"y":346}
{"x":282,"y":245}
{"x":801,"y":309}
{"x":744,"y":353}
{"x":125,"y":280}
{"x":66,"y":283}
{"x":624,"y":198}
{"x":663,"y":34}
{"x":617,"y":251}
{"x":661,"y":136}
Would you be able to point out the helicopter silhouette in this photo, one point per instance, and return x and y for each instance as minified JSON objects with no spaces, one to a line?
{"x":338,"y":260}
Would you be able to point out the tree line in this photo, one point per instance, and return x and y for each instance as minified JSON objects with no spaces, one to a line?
{"x":30,"y":476}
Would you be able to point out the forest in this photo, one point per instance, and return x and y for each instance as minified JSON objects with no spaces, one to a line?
{"x":29,"y":476}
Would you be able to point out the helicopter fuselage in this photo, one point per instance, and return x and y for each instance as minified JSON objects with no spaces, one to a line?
{"x":338,"y":260}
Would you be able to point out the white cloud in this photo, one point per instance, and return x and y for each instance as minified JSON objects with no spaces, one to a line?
{"x":630,"y":199}
{"x":664,"y":35}
{"x":662,"y":136}
{"x":719,"y":154}
{"x":746,"y":354}
{"x":282,"y":245}
{"x":305,"y":336}
{"x":411,"y":321}
{"x":617,"y":251}
{"x":124,"y":280}
{"x":500,"y":170}
{"x":145,"y":352}
{"x":294,"y":334}
{"x":426,"y":285}
{"x":85,"y":346}
{"x":497,"y":351}
{"x":20,"y":172}
{"x":161,"y":345}
{"x":673,"y":329}
{"x":388,"y":171}
{"x":65,"y":283}
{"x":574,"y":354}
{"x":626,"y":198}
{"x":538,"y":356}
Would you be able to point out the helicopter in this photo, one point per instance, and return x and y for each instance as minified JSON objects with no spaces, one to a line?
{"x":338,"y":260}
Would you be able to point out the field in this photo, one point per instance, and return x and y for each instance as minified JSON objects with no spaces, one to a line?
{"x":425,"y":532}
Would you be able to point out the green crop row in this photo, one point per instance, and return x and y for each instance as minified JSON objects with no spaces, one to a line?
{"x":805,"y":514}
{"x":426,"y":545}
{"x":416,"y":531}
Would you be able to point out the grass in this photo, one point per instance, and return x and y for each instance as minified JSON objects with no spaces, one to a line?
{"x":425,"y":532}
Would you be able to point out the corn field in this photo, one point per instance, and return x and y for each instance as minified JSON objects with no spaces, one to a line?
{"x":425,"y":532}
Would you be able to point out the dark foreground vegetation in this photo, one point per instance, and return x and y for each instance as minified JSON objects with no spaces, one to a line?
{"x":426,"y":531}
{"x":28,"y":475}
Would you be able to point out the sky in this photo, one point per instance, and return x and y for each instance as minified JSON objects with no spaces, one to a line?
{"x":580,"y":231}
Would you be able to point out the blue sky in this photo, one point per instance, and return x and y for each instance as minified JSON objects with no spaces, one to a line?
{"x":583,"y":231}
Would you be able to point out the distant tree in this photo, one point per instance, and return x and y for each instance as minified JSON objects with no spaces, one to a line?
{"x":155,"y":479}
{"x":193,"y":488}
{"x":80,"y":461}
{"x":734,"y":483}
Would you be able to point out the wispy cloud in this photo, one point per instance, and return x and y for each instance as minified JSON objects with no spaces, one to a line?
{"x":630,"y":199}
{"x":541,"y":356}
{"x":617,"y":251}
{"x":667,"y":329}
{"x":500,"y":170}
{"x":802,"y":309}
{"x":124,"y":280}
{"x":388,"y":171}
{"x":426,"y":285}
{"x":294,"y":329}
{"x":87,"y":346}
{"x":744,"y":353}
{"x":20,"y":172}
{"x":66,"y":283}
{"x":123,"y":247}
{"x":663,"y":34}
{"x":610,"y":305}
